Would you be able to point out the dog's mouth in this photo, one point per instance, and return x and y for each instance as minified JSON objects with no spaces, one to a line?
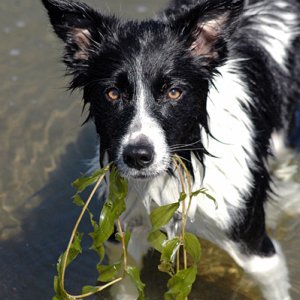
{"x":144,"y":174}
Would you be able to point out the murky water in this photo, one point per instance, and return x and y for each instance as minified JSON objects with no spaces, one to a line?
{"x":43,"y":149}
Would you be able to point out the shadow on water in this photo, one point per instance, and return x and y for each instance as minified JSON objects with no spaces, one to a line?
{"x":28,"y":261}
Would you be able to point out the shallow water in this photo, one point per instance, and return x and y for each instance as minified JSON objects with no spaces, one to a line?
{"x":43,"y":149}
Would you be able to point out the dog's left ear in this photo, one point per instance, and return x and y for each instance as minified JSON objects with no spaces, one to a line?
{"x":206,"y":27}
{"x":79,"y":26}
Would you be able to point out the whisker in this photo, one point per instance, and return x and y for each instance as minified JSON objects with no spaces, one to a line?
{"x":184,"y":145}
{"x":185,"y":149}
{"x":183,"y":158}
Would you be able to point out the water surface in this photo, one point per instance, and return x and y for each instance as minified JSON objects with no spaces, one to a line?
{"x":43,"y":148}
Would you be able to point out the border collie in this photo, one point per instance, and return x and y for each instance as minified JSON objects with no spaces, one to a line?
{"x":216,"y":82}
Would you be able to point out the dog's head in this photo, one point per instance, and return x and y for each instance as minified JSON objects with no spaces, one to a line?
{"x":147,"y":82}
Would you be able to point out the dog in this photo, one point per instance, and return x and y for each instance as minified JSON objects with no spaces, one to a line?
{"x":216,"y":82}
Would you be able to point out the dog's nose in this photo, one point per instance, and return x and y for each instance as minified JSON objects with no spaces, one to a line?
{"x":138,"y":156}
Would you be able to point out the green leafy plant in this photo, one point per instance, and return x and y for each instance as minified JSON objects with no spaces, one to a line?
{"x":172,"y":251}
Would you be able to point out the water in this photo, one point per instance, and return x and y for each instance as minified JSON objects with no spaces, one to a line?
{"x":43,"y":148}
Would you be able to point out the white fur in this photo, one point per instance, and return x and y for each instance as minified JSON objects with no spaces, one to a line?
{"x":145,"y":125}
{"x":270,"y":272}
{"x":277,"y":25}
{"x":227,"y":172}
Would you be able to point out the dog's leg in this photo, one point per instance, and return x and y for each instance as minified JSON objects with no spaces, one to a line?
{"x":137,"y":248}
{"x":248,"y":244}
{"x":268,"y":268}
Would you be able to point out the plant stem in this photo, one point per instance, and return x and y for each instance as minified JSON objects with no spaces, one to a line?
{"x":123,"y":244}
{"x":65,"y":257}
{"x":99,"y":289}
{"x":184,"y":210}
{"x":180,"y":174}
{"x":178,"y":260}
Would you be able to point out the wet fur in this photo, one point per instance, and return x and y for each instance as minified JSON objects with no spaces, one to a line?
{"x":238,"y":66}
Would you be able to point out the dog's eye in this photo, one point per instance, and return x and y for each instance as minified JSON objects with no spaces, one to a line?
{"x":113,"y":94}
{"x":174,"y":94}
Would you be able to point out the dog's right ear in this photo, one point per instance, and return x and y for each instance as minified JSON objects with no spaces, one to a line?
{"x":79,"y":26}
{"x":207,"y":26}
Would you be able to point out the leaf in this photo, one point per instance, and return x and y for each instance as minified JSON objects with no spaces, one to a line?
{"x":192,"y":246}
{"x":134,"y":274}
{"x":196,"y":193}
{"x":162,"y":215}
{"x":112,"y":209}
{"x":210,"y":197}
{"x":108,"y":272}
{"x":166,"y":267}
{"x":114,"y":206}
{"x":84,"y":181}
{"x":77,"y":200}
{"x":75,"y":248}
{"x":90,"y":289}
{"x":170,"y":249}
{"x":180,"y":284}
{"x":60,"y":294}
{"x":205,"y":192}
{"x":156,"y":239}
{"x":56,"y":283}
{"x":182,"y":196}
{"x":98,"y":242}
{"x":107,"y":221}
{"x":118,"y":185}
{"x":74,"y":251}
{"x":127,"y":237}
{"x":97,"y":246}
{"x":168,"y":255}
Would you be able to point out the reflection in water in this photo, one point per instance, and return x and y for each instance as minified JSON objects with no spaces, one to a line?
{"x":42,"y":151}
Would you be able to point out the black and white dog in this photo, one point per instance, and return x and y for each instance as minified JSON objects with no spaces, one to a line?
{"x":214,"y":81}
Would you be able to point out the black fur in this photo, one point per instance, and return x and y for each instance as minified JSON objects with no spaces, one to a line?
{"x":183,"y":48}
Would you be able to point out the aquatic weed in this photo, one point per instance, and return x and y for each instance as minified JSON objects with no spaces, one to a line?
{"x":182,"y":274}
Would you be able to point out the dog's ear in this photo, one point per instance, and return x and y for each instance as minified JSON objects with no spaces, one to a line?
{"x":79,"y":26}
{"x":206,"y":27}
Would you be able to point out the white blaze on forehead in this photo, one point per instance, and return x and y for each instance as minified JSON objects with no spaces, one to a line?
{"x":142,"y":126}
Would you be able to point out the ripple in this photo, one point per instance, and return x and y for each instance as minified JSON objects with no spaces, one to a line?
{"x":15,"y":52}
{"x":20,"y":24}
{"x":141,"y":9}
{"x":6,"y":29}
